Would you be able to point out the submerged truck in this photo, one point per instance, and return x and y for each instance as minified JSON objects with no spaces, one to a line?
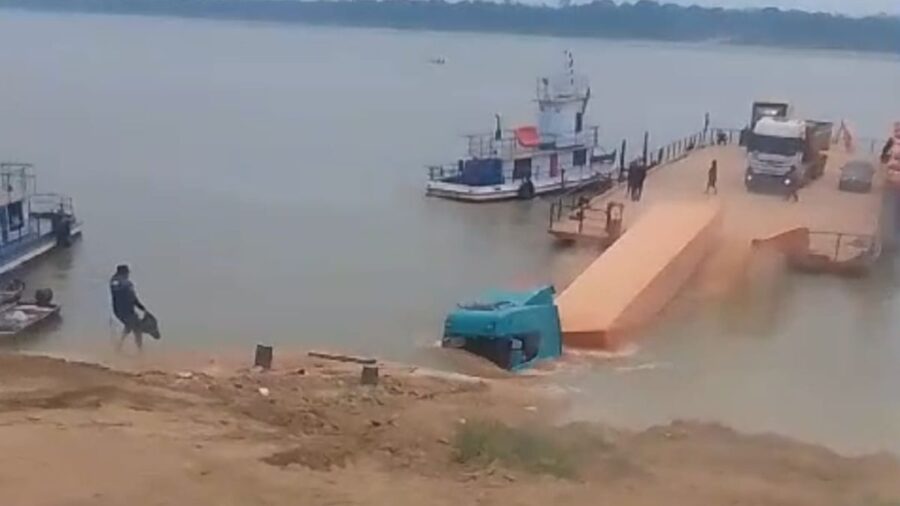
{"x":786,"y":153}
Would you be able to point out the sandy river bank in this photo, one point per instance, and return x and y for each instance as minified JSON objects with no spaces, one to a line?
{"x":76,"y":433}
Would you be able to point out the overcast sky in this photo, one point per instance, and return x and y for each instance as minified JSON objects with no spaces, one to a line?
{"x":852,"y":7}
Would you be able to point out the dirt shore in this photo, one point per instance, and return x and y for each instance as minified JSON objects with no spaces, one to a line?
{"x":309,"y":433}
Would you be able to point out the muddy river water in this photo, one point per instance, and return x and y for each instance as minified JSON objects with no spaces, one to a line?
{"x":265,"y":183}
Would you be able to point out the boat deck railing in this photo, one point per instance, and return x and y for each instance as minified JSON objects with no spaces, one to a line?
{"x":49,"y":204}
{"x":15,"y":170}
{"x":445,"y":172}
{"x":450,"y":171}
{"x":508,"y":147}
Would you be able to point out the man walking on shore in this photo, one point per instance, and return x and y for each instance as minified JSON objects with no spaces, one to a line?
{"x":124,"y":302}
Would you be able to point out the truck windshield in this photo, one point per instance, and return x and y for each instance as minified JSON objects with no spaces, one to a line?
{"x":784,"y":146}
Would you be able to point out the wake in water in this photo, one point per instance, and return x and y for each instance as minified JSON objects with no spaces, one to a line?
{"x":572,"y":361}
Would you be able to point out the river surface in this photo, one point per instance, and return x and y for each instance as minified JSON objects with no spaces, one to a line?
{"x":265,"y":183}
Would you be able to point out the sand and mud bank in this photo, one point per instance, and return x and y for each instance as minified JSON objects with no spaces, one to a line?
{"x":308,"y":433}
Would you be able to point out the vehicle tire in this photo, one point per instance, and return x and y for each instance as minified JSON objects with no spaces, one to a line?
{"x":526,"y":190}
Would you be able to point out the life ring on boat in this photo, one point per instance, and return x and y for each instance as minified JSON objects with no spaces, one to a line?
{"x":526,"y":190}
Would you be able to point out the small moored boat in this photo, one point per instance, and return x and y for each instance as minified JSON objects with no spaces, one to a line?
{"x":20,"y":317}
{"x":12,"y":291}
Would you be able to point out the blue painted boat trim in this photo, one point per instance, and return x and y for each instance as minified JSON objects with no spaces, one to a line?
{"x":21,"y":251}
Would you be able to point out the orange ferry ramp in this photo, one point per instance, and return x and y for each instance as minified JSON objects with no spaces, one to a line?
{"x":639,"y":274}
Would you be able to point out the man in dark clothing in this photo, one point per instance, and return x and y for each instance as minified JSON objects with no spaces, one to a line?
{"x":712,"y":177}
{"x":124,"y":301}
{"x":632,"y":180}
{"x":792,"y":191}
{"x":721,"y":138}
{"x":639,"y":182}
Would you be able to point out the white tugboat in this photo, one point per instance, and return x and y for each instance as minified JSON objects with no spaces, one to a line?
{"x":560,"y":153}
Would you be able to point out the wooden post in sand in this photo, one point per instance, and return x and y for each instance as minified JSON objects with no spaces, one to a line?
{"x":369,"y":375}
{"x":263,"y":357}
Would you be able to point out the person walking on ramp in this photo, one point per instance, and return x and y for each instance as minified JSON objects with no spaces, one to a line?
{"x":639,"y":184}
{"x":712,"y":178}
{"x":632,"y":182}
{"x":792,"y":191}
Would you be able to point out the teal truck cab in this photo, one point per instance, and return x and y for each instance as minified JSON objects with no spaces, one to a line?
{"x":514,"y":330}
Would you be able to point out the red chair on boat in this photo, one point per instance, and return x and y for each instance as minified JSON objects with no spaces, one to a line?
{"x":528,"y":137}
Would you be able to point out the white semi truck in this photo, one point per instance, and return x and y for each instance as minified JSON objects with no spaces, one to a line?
{"x":783,"y":154}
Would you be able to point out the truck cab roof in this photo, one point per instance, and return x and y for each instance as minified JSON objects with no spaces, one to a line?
{"x":785,"y":128}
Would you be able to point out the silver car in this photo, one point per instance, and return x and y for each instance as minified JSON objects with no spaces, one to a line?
{"x":856,"y":176}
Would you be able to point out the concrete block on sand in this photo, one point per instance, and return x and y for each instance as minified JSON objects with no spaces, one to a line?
{"x":637,"y":276}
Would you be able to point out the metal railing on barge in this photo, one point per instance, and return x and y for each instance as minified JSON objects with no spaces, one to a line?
{"x":599,"y":223}
{"x":576,"y":206}
{"x":863,"y":246}
{"x":508,"y":147}
{"x":841,"y":253}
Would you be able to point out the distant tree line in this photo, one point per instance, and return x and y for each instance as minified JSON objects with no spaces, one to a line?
{"x":602,"y":18}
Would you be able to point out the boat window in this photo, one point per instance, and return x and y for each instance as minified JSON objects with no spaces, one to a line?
{"x":579,"y":158}
{"x":522,"y":168}
{"x":579,"y":122}
{"x":783,"y":146}
{"x":14,"y":214}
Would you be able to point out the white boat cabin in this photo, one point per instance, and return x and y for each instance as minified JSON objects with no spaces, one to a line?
{"x":31,"y":223}
{"x":559,"y":153}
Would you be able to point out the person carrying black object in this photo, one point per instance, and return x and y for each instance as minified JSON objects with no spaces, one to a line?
{"x":712,"y":177}
{"x":124,"y":302}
